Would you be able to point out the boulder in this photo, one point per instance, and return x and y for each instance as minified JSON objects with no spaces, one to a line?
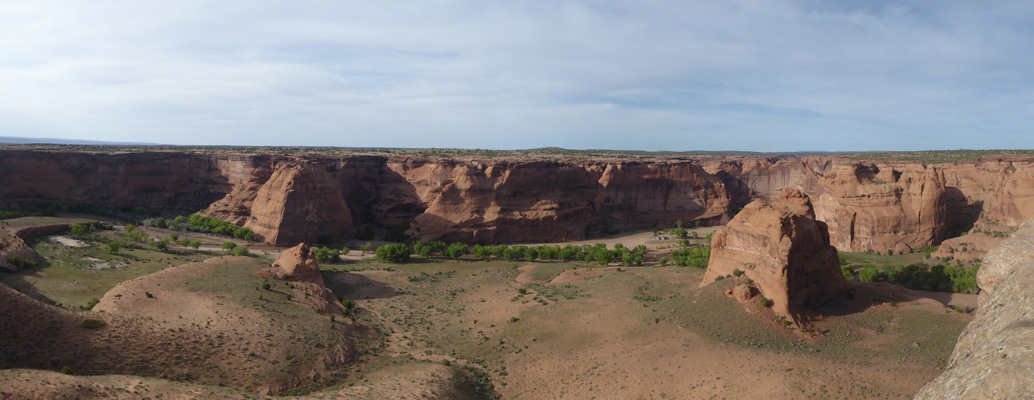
{"x":993,"y":357}
{"x":784,"y":249}
{"x":299,"y":264}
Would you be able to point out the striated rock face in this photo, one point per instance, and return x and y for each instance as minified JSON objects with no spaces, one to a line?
{"x":784,"y":249}
{"x":548,"y":201}
{"x":899,"y":206}
{"x":300,"y":203}
{"x":156,"y":180}
{"x":289,"y":199}
{"x":994,"y":357}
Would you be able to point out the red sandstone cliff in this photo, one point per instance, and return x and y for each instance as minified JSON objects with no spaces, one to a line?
{"x":293,"y":199}
{"x":784,"y":249}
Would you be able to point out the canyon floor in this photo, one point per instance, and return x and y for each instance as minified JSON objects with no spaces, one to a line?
{"x":538,"y":329}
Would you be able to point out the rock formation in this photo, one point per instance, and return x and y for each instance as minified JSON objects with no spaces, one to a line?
{"x":288,"y":199}
{"x":784,"y":249}
{"x":994,"y":357}
{"x":300,"y":202}
{"x":299,"y":264}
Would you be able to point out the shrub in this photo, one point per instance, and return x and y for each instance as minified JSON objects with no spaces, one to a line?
{"x":765,"y":302}
{"x":266,"y":285}
{"x":394,"y":253}
{"x":92,"y":324}
{"x":240,"y":251}
{"x":66,"y":370}
{"x":229,"y":246}
{"x":149,"y":295}
{"x":91,"y":303}
{"x":113,"y":247}
{"x":327,"y":255}
{"x":737,"y":272}
{"x":868,"y":274}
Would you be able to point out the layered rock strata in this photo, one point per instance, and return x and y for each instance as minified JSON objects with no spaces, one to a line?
{"x":289,"y":199}
{"x":786,"y":252}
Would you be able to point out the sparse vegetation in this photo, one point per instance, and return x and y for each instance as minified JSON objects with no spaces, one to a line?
{"x":92,"y":324}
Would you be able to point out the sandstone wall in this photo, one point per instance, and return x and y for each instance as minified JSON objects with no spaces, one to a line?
{"x":288,"y":199}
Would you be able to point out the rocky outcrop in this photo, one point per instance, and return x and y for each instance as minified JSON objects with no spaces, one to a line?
{"x":994,"y":357}
{"x":300,"y":202}
{"x":298,"y":264}
{"x":293,"y":198}
{"x":550,"y":201}
{"x":784,"y":250}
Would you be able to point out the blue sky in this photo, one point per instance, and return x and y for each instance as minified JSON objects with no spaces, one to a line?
{"x":646,"y":75}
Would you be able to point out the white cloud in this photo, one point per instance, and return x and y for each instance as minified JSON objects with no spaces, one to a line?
{"x":765,"y":76}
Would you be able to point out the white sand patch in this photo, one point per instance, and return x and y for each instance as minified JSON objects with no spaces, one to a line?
{"x":67,"y":241}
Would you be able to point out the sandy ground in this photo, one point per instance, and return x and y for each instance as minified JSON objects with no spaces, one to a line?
{"x":67,"y":241}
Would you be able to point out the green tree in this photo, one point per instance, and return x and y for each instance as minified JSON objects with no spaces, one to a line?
{"x":162,"y":245}
{"x":78,"y":230}
{"x":327,"y":255}
{"x":196,"y":244}
{"x":240,"y":251}
{"x":868,"y":274}
{"x":228,"y":246}
{"x":175,"y":237}
{"x":393,"y":253}
{"x":113,"y":247}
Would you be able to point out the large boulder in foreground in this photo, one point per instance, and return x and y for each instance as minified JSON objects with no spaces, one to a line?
{"x":784,"y":249}
{"x":994,"y":357}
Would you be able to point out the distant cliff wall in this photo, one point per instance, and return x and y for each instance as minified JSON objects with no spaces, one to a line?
{"x":289,"y":199}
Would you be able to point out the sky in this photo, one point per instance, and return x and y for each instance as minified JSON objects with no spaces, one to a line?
{"x":770,"y":76}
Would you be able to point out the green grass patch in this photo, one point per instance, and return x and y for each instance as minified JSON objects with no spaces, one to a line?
{"x":882,"y":259}
{"x":71,"y":276}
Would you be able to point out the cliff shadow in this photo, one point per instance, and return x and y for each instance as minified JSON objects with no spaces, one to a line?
{"x":348,"y":286}
{"x":962,"y":214}
{"x":18,"y":281}
{"x":375,"y":194}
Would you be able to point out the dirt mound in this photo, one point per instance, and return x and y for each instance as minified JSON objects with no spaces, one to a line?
{"x":207,"y":322}
{"x":784,"y":249}
{"x":575,"y":274}
{"x":528,"y":275}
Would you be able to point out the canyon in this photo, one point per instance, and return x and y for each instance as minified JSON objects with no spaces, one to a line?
{"x":882,"y":205}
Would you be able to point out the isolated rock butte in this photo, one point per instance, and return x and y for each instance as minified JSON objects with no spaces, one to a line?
{"x":299,"y":264}
{"x":994,"y":357}
{"x":784,"y":249}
